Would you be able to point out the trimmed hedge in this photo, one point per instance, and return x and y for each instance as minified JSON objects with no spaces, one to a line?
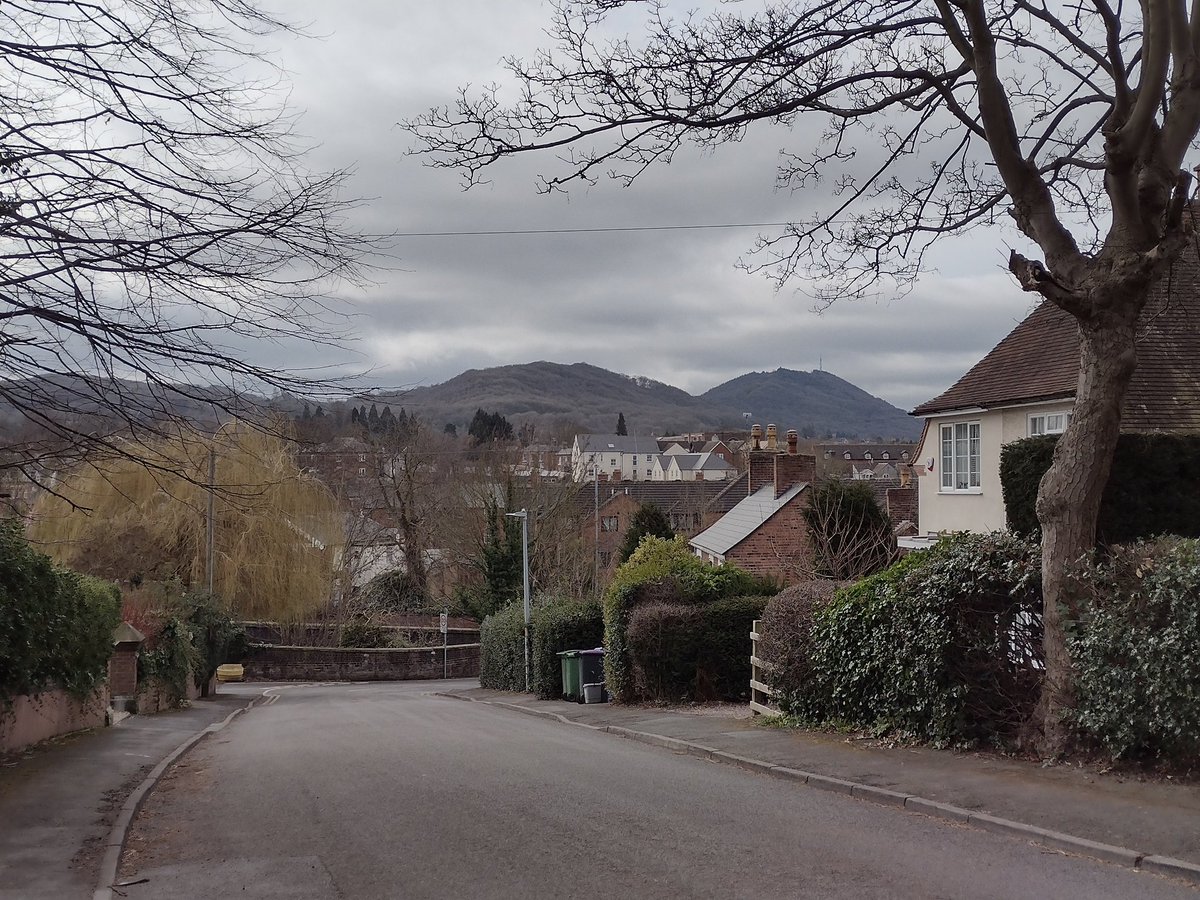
{"x":557,"y":626}
{"x":1154,"y":487}
{"x":663,"y":571}
{"x":787,"y":621}
{"x":943,"y":646}
{"x":1137,"y":652}
{"x":683,"y":652}
{"x":502,"y":649}
{"x":56,"y":626}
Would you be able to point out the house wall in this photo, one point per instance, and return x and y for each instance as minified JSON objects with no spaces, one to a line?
{"x":981,"y":510}
{"x":39,"y":717}
{"x":780,"y":547}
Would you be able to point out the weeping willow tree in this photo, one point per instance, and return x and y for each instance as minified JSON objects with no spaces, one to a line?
{"x":276,"y":531}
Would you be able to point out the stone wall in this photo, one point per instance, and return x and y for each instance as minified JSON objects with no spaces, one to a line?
{"x":268,"y":663}
{"x":39,"y":717}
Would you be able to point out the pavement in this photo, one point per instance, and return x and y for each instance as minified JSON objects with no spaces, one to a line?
{"x":1136,"y":822}
{"x":59,"y":800}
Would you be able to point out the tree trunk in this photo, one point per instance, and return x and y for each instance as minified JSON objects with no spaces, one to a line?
{"x":1069,"y":496}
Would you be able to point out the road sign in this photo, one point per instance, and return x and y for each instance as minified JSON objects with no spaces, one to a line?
{"x":442,"y":623}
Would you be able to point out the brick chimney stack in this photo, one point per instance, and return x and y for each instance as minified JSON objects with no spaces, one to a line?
{"x":792,"y":468}
{"x":759,"y":462}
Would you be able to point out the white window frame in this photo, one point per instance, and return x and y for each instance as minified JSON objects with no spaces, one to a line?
{"x":1038,"y":424}
{"x":964,"y":441}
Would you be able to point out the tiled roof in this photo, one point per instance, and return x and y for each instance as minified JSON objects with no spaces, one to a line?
{"x":669,"y":496}
{"x":744,"y":519}
{"x":619,"y":443}
{"x":1039,"y":360}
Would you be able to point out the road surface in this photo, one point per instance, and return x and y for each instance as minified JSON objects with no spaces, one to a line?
{"x":387,"y":791}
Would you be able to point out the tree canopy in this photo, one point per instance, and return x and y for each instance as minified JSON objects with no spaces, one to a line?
{"x":158,"y":218}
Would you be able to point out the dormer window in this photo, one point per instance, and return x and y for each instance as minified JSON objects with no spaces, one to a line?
{"x":885,"y":455}
{"x":867,"y":455}
{"x":846,"y":455}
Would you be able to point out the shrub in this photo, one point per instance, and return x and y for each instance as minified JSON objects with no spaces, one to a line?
{"x":943,"y":646}
{"x":363,"y":633}
{"x":662,"y":571}
{"x":186,"y":640}
{"x":502,"y":649}
{"x":395,"y":591}
{"x":556,"y":626}
{"x":786,"y":643}
{"x":850,"y":533}
{"x":648,"y":520}
{"x":1137,"y":652}
{"x":55,"y":625}
{"x":692,"y":651}
{"x":1154,"y":487}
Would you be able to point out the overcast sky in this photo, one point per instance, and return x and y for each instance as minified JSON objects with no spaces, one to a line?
{"x":669,"y":304}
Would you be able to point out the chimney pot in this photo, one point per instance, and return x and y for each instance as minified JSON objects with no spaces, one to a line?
{"x":793,"y":440}
{"x":771,"y":438}
{"x":755,"y":436}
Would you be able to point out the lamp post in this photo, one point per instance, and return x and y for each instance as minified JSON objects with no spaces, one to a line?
{"x":212,"y":484}
{"x":523,"y":515}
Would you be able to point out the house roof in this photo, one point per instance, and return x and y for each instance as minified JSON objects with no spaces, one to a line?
{"x":669,"y":496}
{"x":1039,"y":361}
{"x":619,"y":443}
{"x":744,"y":519}
{"x":732,"y":493}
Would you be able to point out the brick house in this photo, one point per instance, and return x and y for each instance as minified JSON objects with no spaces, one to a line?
{"x":765,"y":532}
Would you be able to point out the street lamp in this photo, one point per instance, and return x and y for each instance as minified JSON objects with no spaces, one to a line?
{"x":523,"y":515}
{"x":212,"y":484}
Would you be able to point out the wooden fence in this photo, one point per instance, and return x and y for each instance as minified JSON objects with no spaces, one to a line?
{"x":762,"y":697}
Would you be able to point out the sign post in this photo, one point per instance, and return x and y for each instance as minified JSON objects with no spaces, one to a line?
{"x":445,"y":664}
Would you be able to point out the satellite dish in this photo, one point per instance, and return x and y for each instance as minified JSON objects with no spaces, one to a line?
{"x":929,"y":464}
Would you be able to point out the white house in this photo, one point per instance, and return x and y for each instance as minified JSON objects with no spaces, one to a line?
{"x":1026,"y":386}
{"x":614,"y":456}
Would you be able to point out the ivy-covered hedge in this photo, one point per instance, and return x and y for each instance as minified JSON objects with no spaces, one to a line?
{"x":194,"y":634}
{"x":663,"y":571}
{"x":56,"y":626}
{"x":557,"y":626}
{"x":1136,"y":650}
{"x":1154,"y":487}
{"x":684,"y":652}
{"x":943,"y":646}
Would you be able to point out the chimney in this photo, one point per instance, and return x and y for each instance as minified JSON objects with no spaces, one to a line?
{"x":771,"y":444}
{"x":755,"y":436}
{"x":792,"y":468}
{"x":759,"y":464}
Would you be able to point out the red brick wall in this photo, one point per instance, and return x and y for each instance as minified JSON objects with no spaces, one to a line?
{"x":902,"y":505}
{"x":761,"y":469}
{"x":792,"y":469}
{"x":122,"y":673}
{"x":780,"y":547}
{"x":344,"y":664}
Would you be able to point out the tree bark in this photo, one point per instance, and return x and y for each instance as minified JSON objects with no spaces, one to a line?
{"x":1069,"y":499}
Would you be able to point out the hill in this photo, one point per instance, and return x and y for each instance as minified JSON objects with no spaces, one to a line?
{"x":818,"y":402}
{"x":553,"y":397}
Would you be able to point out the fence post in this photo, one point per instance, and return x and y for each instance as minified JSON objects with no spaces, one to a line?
{"x":762,"y":697}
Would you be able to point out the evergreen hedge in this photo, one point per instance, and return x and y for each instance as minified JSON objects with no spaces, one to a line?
{"x":943,"y":646}
{"x":502,"y":649}
{"x":663,"y":571}
{"x":557,"y":626}
{"x":1136,"y":651}
{"x":684,"y":652}
{"x":1154,"y":487}
{"x":56,"y":626}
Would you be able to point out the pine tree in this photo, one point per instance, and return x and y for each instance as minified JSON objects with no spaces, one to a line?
{"x":621,"y":429}
{"x":648,"y":520}
{"x":373,"y":419}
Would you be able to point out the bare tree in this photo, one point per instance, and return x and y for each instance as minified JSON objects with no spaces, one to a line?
{"x":937,"y":116}
{"x":158,"y":223}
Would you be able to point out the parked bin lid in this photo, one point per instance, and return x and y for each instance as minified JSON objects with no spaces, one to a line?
{"x":599,"y":651}
{"x":571,"y":654}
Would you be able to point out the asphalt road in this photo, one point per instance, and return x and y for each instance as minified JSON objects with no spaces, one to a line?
{"x":387,"y":791}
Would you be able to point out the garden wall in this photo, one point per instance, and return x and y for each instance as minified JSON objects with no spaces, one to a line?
{"x":269,"y":663}
{"x":39,"y":717}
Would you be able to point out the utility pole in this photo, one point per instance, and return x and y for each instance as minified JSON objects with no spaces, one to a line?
{"x":523,"y":515}
{"x":212,"y":481}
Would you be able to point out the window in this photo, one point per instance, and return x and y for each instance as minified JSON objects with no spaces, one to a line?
{"x":609,"y":523}
{"x":362,"y":472}
{"x":867,"y":455}
{"x":613,"y":463}
{"x":846,"y":455}
{"x":635,"y":459}
{"x":960,"y":457}
{"x":1051,"y":423}
{"x":886,"y":455}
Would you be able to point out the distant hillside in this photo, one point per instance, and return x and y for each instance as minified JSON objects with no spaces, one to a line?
{"x":551,"y":394}
{"x":817,"y":400}
{"x":585,"y":396}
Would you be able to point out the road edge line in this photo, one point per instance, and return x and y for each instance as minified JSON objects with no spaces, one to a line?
{"x":115,"y":843}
